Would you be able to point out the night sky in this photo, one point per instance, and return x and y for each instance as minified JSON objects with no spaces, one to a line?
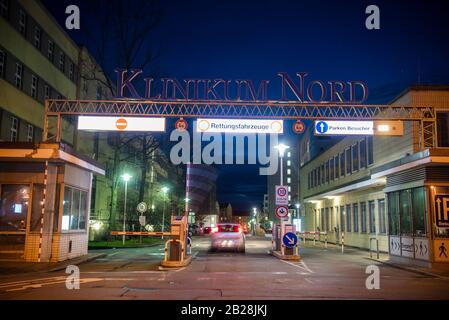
{"x":328,"y":39}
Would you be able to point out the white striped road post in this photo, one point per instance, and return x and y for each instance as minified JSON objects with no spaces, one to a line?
{"x":44,"y":195}
{"x":342,"y":242}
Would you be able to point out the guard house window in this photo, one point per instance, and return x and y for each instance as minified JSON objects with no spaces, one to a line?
{"x":348,"y":217}
{"x":71,"y":71}
{"x":355,"y":214}
{"x":369,"y":144}
{"x":61,"y":61}
{"x":18,"y":75}
{"x":372,"y":217}
{"x":51,"y":51}
{"x":342,"y":164}
{"x":363,"y":153}
{"x":363,"y":215}
{"x":34,"y":82}
{"x":22,"y":22}
{"x":405,"y":213}
{"x":37,"y":37}
{"x":419,"y":211}
{"x":47,"y":92}
{"x":4,"y":8}
{"x":30,"y":133}
{"x":348,"y":161}
{"x":74,"y":209}
{"x":393,"y":214}
{"x":14,"y":128}
{"x":381,"y":210}
{"x":355,"y":157}
{"x":2,"y":63}
{"x":14,"y":207}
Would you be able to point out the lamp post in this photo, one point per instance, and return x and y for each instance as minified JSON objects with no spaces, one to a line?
{"x":297,"y":216}
{"x":164,"y":190}
{"x":255,"y":220}
{"x":126,"y":177}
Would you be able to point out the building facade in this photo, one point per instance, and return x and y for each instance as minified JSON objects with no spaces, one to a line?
{"x":382,"y":189}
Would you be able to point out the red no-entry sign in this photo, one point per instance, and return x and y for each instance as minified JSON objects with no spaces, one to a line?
{"x":299,"y":127}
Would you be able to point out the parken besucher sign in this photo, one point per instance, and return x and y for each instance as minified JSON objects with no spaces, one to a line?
{"x":298,"y":88}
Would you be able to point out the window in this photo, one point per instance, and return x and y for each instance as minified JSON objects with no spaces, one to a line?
{"x":289,"y":171}
{"x":342,"y":218}
{"x":331,"y":169}
{"x":372,"y":217}
{"x":289,"y":189}
{"x":289,"y":163}
{"x":18,"y":76}
{"x":355,"y":157}
{"x":61,"y":61}
{"x":30,"y":133}
{"x":74,"y":209}
{"x":326,"y":165}
{"x":323,"y":226}
{"x":363,"y":216}
{"x":289,"y":180}
{"x":393,"y":214}
{"x":36,"y":208}
{"x":14,"y":207}
{"x":348,"y":161}
{"x":355,"y":214}
{"x":326,"y":220}
{"x":369,"y":143}
{"x":309,"y":180}
{"x":51,"y":51}
{"x":22,"y":22}
{"x":289,"y":154}
{"x":419,"y":211}
{"x":34,"y":82}
{"x":405,"y":213}
{"x":342,"y":164}
{"x":71,"y":71}
{"x":443,"y":129}
{"x":381,"y":210}
{"x":319,"y":176}
{"x":348,"y":217}
{"x":47,"y":92}
{"x":337,"y":163}
{"x":322,"y":174}
{"x":2,"y":63}
{"x":4,"y":8}
{"x":37,"y":37}
{"x":14,"y":128}
{"x":363,"y":153}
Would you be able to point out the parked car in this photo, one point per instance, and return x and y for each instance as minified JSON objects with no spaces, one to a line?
{"x":228,"y":236}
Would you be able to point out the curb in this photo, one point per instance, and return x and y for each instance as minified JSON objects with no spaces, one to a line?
{"x":85,"y":260}
{"x":398,"y":266}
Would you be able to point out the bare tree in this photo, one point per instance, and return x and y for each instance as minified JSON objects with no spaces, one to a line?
{"x":121,"y":37}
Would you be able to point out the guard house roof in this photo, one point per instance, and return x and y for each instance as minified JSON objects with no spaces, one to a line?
{"x":28,"y":151}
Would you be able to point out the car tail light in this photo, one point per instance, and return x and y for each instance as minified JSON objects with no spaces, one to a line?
{"x":214,"y":229}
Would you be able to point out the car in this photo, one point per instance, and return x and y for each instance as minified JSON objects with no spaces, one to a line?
{"x":228,"y":236}
{"x":207,"y":230}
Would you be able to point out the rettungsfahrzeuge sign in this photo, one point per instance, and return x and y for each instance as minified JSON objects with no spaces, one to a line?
{"x":240,"y":126}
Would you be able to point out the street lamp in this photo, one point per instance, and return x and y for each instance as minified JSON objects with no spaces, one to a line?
{"x":254,"y":220}
{"x":164,"y":191}
{"x":126,"y":177}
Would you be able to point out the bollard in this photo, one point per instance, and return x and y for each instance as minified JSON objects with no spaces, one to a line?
{"x":314,"y":236}
{"x":342,"y":242}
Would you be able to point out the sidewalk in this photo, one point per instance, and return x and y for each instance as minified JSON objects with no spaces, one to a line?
{"x":19,"y":267}
{"x":438,"y":271}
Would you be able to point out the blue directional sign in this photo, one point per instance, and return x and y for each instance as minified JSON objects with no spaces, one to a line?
{"x":442,"y":210}
{"x":321,"y":127}
{"x":290,"y":239}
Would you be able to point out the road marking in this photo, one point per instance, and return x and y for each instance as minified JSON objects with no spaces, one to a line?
{"x":38,"y":283}
{"x":301,"y":266}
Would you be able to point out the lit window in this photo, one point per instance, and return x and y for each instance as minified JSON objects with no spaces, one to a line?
{"x":22,"y":22}
{"x":34,"y":81}
{"x":47,"y":92}
{"x":289,"y":171}
{"x":4,"y":8}
{"x":289,"y":163}
{"x":14,"y":128}
{"x":289,"y":189}
{"x":30,"y":133}
{"x":18,"y":76}
{"x":51,"y":50}
{"x":62,"y":61}
{"x":2,"y":63}
{"x":289,"y":180}
{"x":289,"y":154}
{"x":74,"y":209}
{"x":289,"y":197}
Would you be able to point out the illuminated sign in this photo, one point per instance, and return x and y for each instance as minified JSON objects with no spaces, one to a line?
{"x":339,"y":127}
{"x":240,"y":126}
{"x":121,"y":123}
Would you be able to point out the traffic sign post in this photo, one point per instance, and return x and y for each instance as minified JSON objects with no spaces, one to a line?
{"x":281,"y":196}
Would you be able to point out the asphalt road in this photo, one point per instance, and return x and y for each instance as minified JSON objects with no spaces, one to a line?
{"x":134,"y":274}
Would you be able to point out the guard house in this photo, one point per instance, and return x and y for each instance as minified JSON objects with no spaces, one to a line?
{"x":45,"y":202}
